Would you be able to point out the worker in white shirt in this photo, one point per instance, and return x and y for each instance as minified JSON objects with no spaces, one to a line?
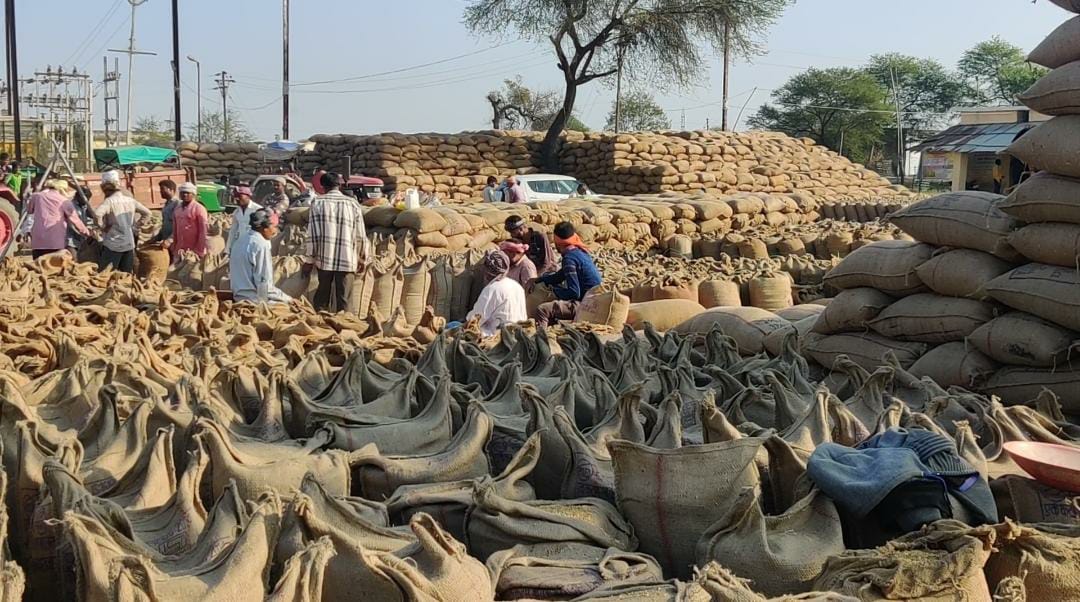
{"x":241,"y":217}
{"x":502,"y":301}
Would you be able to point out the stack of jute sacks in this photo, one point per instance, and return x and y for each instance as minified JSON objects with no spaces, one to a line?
{"x":823,"y":239}
{"x":212,"y":160}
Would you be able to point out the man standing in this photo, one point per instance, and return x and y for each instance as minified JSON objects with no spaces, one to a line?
{"x":167,"y":189}
{"x":514,"y":193}
{"x":190,"y":223}
{"x":278,"y":200}
{"x":251,"y":267}
{"x":52,"y":212}
{"x":491,"y":191}
{"x":569,"y":285}
{"x":241,"y":218}
{"x":539,"y":251}
{"x":119,"y":217}
{"x":336,"y":243}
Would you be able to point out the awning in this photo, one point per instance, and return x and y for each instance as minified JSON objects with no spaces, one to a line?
{"x":281,"y":150}
{"x":985,"y":138}
{"x":107,"y":158}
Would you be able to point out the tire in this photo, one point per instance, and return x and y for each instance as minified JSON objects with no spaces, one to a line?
{"x":10,"y":210}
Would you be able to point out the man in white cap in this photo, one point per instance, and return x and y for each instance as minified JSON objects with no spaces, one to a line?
{"x":277,"y":201}
{"x":118,"y":216}
{"x":190,"y":223}
{"x":241,"y":217}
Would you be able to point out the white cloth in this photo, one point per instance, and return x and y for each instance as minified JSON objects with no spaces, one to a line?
{"x":241,"y":224}
{"x":492,"y":194}
{"x":111,"y":177}
{"x":251,"y":271}
{"x":118,"y":215}
{"x":501,"y":302}
{"x":189,"y":187}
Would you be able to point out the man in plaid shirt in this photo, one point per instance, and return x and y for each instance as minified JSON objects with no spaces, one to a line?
{"x":336,"y":244}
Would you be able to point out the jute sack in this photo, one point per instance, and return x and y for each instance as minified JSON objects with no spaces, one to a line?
{"x":1053,"y":146}
{"x":1019,"y":339}
{"x":771,"y":292}
{"x":303,"y":574}
{"x":747,"y":325}
{"x":415,"y":286}
{"x":775,"y":340}
{"x":1069,"y":5}
{"x":867,"y":350}
{"x":954,"y":364}
{"x":780,"y":554}
{"x":719,"y":293}
{"x":929,"y":318}
{"x":1056,"y":93}
{"x":942,"y":563}
{"x":887,"y":265}
{"x":961,"y":272}
{"x":388,"y":280}
{"x":1026,"y":500}
{"x":561,"y":572}
{"x":796,"y":313}
{"x":540,"y":295}
{"x":608,"y":307}
{"x":1046,"y":291}
{"x":422,"y":220}
{"x":852,"y":310}
{"x":1045,"y":198}
{"x":965,"y":220}
{"x":153,"y":263}
{"x":1045,"y":556}
{"x":665,"y":314}
{"x":1059,"y":48}
{"x":1054,"y":244}
{"x":671,"y":496}
{"x":1018,"y":386}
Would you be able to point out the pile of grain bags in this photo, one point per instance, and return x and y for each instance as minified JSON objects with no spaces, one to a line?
{"x":212,"y":160}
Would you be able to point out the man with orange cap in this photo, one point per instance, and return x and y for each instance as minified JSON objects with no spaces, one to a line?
{"x":576,"y":277}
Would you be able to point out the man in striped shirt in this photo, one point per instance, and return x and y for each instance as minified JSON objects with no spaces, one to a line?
{"x":336,"y":244}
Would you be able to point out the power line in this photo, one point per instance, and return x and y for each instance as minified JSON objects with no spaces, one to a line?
{"x":108,"y":40}
{"x":90,"y":37}
{"x":433,"y":84}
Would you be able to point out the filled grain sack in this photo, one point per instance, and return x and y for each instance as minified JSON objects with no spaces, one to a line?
{"x":867,"y":350}
{"x":771,"y":292}
{"x":888,"y":266}
{"x":748,"y":326}
{"x":852,"y":310}
{"x":1045,"y":556}
{"x":1050,"y":243}
{"x":961,"y":272}
{"x":929,"y":318}
{"x":1060,"y":47}
{"x":719,"y":293}
{"x":153,"y":263}
{"x":1045,"y":197}
{"x":954,"y":364}
{"x":1056,"y":93}
{"x":1049,"y":292}
{"x":603,"y":306}
{"x":1018,"y":386}
{"x":1020,"y":339}
{"x":1026,"y":500}
{"x":422,"y":220}
{"x":563,"y":572}
{"x":665,"y":314}
{"x":965,"y":220}
{"x":802,"y":311}
{"x":1053,"y":146}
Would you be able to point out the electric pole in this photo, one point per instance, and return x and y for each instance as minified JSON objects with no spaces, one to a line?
{"x":618,"y":89}
{"x":111,"y":82}
{"x":177,"y":125}
{"x":900,"y":158}
{"x":198,"y":94}
{"x":727,"y":69}
{"x":285,"y":70}
{"x":13,"y":73}
{"x":131,"y":52}
{"x":223,"y":81}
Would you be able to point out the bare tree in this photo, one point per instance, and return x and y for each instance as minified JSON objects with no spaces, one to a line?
{"x":661,"y":39}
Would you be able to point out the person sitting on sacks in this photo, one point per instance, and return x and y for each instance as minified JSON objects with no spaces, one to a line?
{"x":896,"y":482}
{"x":576,"y":277}
{"x":522,"y":270}
{"x":539,"y":249}
{"x":251,"y":267}
{"x":501,"y":302}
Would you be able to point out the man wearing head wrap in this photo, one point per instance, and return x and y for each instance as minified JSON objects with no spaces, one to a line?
{"x":52,"y":213}
{"x":277,"y":200}
{"x":502,"y":301}
{"x":251,"y":267}
{"x":119,"y":216}
{"x":576,"y":277}
{"x":336,"y":243}
{"x":190,"y":223}
{"x":539,"y":252}
{"x":521,"y":269}
{"x":241,"y":217}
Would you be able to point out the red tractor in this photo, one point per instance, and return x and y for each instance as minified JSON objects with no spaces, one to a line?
{"x":9,"y":216}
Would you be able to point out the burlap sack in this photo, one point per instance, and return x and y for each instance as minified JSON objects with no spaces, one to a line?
{"x":607,"y":307}
{"x":1053,"y":244}
{"x":1053,"y":146}
{"x":415,"y":286}
{"x":852,"y":310}
{"x":665,"y":314}
{"x":12,"y":580}
{"x":672,"y":496}
{"x":780,"y":554}
{"x":152,"y":264}
{"x":422,"y":220}
{"x":540,"y":295}
{"x":1028,"y":501}
{"x":1020,"y":339}
{"x":961,"y":272}
{"x":1045,"y":197}
{"x":1017,"y":386}
{"x":1049,"y":292}
{"x":954,"y":364}
{"x":388,"y":281}
{"x":302,"y":578}
{"x":1059,"y":48}
{"x":771,"y":292}
{"x":1056,"y":93}
{"x":775,"y":341}
{"x":965,"y":220}
{"x":867,"y":350}
{"x":748,"y":326}
{"x":801,"y":311}
{"x":1043,"y":556}
{"x":888,"y":266}
{"x":547,"y":572}
{"x":929,"y":318}
{"x":719,"y":293}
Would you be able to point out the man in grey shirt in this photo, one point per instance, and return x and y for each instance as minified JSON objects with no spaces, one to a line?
{"x":119,"y":217}
{"x":167,"y":188}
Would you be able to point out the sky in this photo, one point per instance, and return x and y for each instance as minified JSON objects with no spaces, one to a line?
{"x":376,"y":45}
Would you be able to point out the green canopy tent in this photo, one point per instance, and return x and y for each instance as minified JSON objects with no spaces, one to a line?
{"x":115,"y":158}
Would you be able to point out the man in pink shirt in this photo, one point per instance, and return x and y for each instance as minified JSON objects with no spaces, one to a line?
{"x":52,"y":212}
{"x":190,"y":222}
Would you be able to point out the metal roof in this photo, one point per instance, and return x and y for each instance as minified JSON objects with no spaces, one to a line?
{"x":984,"y":138}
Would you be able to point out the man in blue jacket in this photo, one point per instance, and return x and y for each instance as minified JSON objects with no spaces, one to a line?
{"x":576,"y":277}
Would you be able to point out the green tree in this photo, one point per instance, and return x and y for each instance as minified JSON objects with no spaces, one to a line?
{"x":844,"y":109}
{"x":151,"y":131}
{"x":213,"y":128}
{"x":639,"y":112}
{"x":998,"y":71}
{"x":664,"y":39}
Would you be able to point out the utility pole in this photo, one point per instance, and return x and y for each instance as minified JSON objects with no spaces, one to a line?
{"x":111,"y":91}
{"x":13,"y":74}
{"x":131,"y":52}
{"x":285,"y":70}
{"x":223,"y":81}
{"x":899,"y":129}
{"x":177,"y":125}
{"x":618,"y":89}
{"x":727,"y":69}
{"x":198,"y":94}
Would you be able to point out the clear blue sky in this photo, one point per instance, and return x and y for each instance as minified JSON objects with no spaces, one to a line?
{"x":336,"y":39}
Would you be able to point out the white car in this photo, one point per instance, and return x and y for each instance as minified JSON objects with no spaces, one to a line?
{"x":549,"y":187}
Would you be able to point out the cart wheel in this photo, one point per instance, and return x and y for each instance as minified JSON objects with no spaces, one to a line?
{"x":7,"y":229}
{"x":9,"y":209}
